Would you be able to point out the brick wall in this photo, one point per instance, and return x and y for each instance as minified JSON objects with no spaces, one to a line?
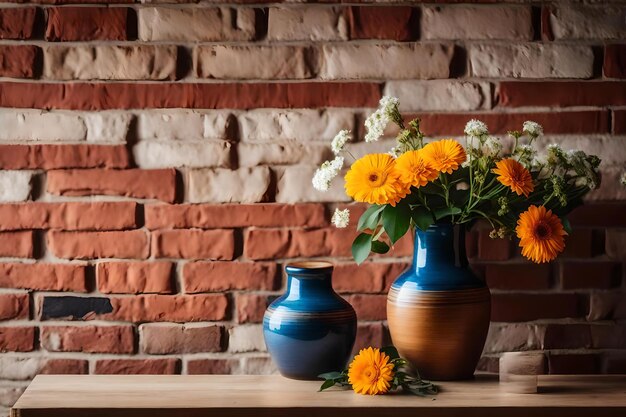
{"x":150,"y":154}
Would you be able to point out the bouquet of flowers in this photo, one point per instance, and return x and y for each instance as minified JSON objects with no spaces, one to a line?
{"x":417,"y":184}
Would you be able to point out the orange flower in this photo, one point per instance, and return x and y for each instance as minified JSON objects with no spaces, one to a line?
{"x":445,"y":155}
{"x":414,"y":171}
{"x":374,"y":179}
{"x":370,"y":372}
{"x":515,"y":176}
{"x":541,"y":234}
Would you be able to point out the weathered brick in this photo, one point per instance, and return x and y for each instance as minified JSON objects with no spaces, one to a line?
{"x":607,"y":306}
{"x":281,"y":153}
{"x":193,"y":244}
{"x":295,"y":243}
{"x":17,"y":23}
{"x":14,"y":306}
{"x":17,"y":244}
{"x":562,"y":94}
{"x":440,"y":95}
{"x":162,"y":338}
{"x":531,"y":60}
{"x":518,"y":276}
{"x":157,"y":184}
{"x":244,"y":185}
{"x":614,"y":65}
{"x":18,"y":61}
{"x":86,"y":23}
{"x":62,"y":156}
{"x":211,"y":366}
{"x":165,"y":154}
{"x":68,"y":216}
{"x":526,"y":307}
{"x":588,"y":22}
{"x":413,"y":60}
{"x":46,"y":277}
{"x":131,"y":244}
{"x":251,"y":307}
{"x":294,"y":186}
{"x":573,"y":364}
{"x":369,"y":306}
{"x":143,"y":62}
{"x":65,"y":367}
{"x":88,"y":339}
{"x":567,"y":336}
{"x":306,"y":23}
{"x":599,"y":275}
{"x":174,"y":308}
{"x":17,"y":339}
{"x":188,"y":125}
{"x":477,"y":22}
{"x":246,"y":338}
{"x":15,"y":185}
{"x":224,"y":276}
{"x":399,"y":23}
{"x":513,"y":337}
{"x":107,"y":127}
{"x":196,"y":24}
{"x":369,"y":277}
{"x":233,"y":62}
{"x":137,"y":366}
{"x":36,"y":125}
{"x":135,"y":277}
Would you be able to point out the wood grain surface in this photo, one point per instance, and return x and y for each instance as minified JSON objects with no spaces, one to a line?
{"x":260,"y":396}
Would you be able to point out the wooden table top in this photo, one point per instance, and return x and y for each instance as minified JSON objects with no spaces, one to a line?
{"x":258,"y":396}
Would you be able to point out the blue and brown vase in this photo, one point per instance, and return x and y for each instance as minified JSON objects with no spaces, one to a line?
{"x":309,"y":330}
{"x":438,"y":310}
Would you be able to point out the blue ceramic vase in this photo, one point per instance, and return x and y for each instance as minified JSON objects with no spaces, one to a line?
{"x":309,"y":330}
{"x":438,"y":311}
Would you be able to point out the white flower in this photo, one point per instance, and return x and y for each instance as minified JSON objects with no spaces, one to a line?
{"x":377,"y":121}
{"x":492,"y":147}
{"x":326,"y":173}
{"x":476,"y":128}
{"x":622,"y":179}
{"x":341,"y":218}
{"x":339,"y":141}
{"x":389,"y":105}
{"x":532,"y":128}
{"x":555,"y":154}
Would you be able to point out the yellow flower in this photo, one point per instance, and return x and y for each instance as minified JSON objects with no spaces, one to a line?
{"x":541,"y":234}
{"x":370,"y":372}
{"x":374,"y":179}
{"x":515,"y":176}
{"x":445,"y":155}
{"x":414,"y":171}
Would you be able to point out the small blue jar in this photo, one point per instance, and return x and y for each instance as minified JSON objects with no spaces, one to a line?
{"x":309,"y":330}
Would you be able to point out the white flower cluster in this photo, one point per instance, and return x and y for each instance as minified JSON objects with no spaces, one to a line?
{"x":326,"y":173}
{"x":377,"y":121}
{"x":492,"y":147}
{"x":533,"y":129}
{"x":476,"y":128}
{"x":526,"y":155}
{"x":585,"y":166}
{"x":341,"y":218}
{"x":339,"y":141}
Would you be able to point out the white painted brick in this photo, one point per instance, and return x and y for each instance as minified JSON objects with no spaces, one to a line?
{"x":531,"y":60}
{"x":513,"y":337}
{"x":107,"y":127}
{"x":19,"y":368}
{"x":257,"y":365}
{"x":386,"y":61}
{"x":247,"y":338}
{"x":195,"y":24}
{"x":588,"y":22}
{"x":144,"y":62}
{"x":360,"y":149}
{"x":477,"y":22}
{"x":306,"y":23}
{"x":281,"y":153}
{"x":184,"y":125}
{"x":37,"y":125}
{"x":294,"y":186}
{"x":303,"y":125}
{"x":9,"y":394}
{"x":610,"y":188}
{"x":164,"y":154}
{"x":15,"y":185}
{"x":610,"y":149}
{"x":440,"y":95}
{"x":244,"y":185}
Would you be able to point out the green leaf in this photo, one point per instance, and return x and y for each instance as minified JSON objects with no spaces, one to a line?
{"x":379,"y":247}
{"x":566,"y":225}
{"x":390,"y":351}
{"x":396,"y":221}
{"x":361,"y":247}
{"x":330,"y":375}
{"x":369,"y":219}
{"x":422,"y":217}
{"x":327,"y":384}
{"x":440,"y":213}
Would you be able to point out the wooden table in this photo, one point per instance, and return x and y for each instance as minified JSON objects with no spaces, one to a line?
{"x":259,"y":396}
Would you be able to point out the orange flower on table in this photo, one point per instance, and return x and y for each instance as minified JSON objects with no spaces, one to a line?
{"x":414,"y":170}
{"x":371,"y":372}
{"x":513,"y":174}
{"x":374,"y":179}
{"x":445,"y":155}
{"x":541,"y":234}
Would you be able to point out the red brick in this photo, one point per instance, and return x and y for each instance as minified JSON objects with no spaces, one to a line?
{"x":130,"y":244}
{"x":43,"y":277}
{"x":518,"y":276}
{"x":16,"y":244}
{"x":562,"y":93}
{"x":370,"y":334}
{"x":619,"y":122}
{"x":65,"y":367}
{"x":573,"y":364}
{"x":251,"y":307}
{"x":224,"y":276}
{"x":209,"y":216}
{"x":211,"y":366}
{"x":526,"y":307}
{"x":614,"y":363}
{"x":194,"y":244}
{"x":285,"y":243}
{"x":609,"y":335}
{"x":596,"y":275}
{"x":369,"y":277}
{"x":383,"y":22}
{"x":157,"y":184}
{"x":567,"y":336}
{"x":86,"y":23}
{"x":88,"y":339}
{"x":174,"y":308}
{"x":18,"y":61}
{"x":62,"y":156}
{"x":14,"y":306}
{"x":369,"y":306}
{"x":68,"y":216}
{"x":615,"y":61}
{"x":135,"y":277}
{"x":17,"y":23}
{"x":101,"y":96}
{"x":161,"y":339}
{"x":599,"y":215}
{"x":17,"y":339}
{"x":607,"y":305}
{"x":137,"y":366}
{"x":493,"y":249}
{"x":579,"y":244}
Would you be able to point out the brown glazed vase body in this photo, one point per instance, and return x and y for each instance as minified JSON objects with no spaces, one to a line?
{"x":438,"y":311}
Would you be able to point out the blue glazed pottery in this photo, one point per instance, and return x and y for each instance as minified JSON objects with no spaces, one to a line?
{"x":438,"y":311}
{"x":309,"y":330}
